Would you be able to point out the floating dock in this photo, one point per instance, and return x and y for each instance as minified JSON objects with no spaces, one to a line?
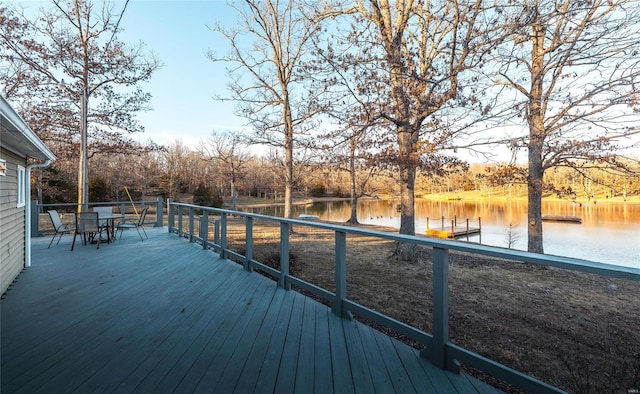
{"x":455,"y":229}
{"x":561,"y":218}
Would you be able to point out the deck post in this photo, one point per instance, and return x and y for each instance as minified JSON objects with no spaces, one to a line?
{"x":284,"y":256}
{"x":204,"y":228}
{"x":159,"y":212}
{"x":123,"y":211}
{"x":216,"y":234}
{"x":341,"y":275}
{"x":170,"y":214}
{"x":248,"y":248}
{"x":223,"y":235}
{"x":436,"y":352}
{"x":191,"y":224}
{"x":180,"y":231}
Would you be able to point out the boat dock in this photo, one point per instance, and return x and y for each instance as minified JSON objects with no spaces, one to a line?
{"x":452,"y":228}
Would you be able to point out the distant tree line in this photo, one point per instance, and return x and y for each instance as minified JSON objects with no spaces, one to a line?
{"x":186,"y":174}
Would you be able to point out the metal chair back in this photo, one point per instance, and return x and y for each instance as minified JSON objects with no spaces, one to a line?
{"x":56,"y":221}
{"x":102,"y":212}
{"x":58,"y":226}
{"x":87,"y":222}
{"x":143,"y":214}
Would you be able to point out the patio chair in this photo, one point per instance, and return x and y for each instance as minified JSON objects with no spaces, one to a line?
{"x":58,"y":226}
{"x":103,"y":212}
{"x":106,"y":221}
{"x":87,"y":224}
{"x":137,"y":226}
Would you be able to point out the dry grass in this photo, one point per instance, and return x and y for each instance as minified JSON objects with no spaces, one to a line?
{"x":577,"y":331}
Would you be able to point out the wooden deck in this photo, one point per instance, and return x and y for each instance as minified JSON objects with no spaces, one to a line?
{"x":164,"y":315}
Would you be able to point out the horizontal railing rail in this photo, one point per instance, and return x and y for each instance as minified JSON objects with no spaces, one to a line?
{"x":124,"y":206}
{"x":438,"y":349}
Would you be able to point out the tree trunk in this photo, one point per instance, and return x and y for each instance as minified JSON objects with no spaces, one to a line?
{"x":288,"y":153}
{"x":354,"y":196}
{"x":407,"y":199}
{"x":407,"y":164}
{"x":234,"y":194}
{"x":534,"y":195}
{"x":353,"y":219}
{"x":536,"y":140}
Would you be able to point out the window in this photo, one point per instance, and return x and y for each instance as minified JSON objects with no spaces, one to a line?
{"x":21,"y":188}
{"x":3,"y":167}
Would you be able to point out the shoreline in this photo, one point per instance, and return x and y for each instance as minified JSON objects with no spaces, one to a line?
{"x":440,"y":197}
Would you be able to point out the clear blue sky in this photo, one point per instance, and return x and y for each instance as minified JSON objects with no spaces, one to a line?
{"x":183,"y":89}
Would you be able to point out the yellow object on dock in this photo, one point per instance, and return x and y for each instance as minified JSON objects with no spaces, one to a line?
{"x":453,"y":231}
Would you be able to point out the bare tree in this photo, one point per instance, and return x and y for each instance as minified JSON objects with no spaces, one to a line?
{"x":574,"y":70}
{"x":265,"y":77}
{"x":229,"y":149}
{"x":76,"y":41}
{"x":173,"y":161}
{"x":411,"y":58}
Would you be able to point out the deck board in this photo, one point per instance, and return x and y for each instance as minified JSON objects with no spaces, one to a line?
{"x":164,"y":315}
{"x":258,"y":355}
{"x":286,"y":378}
{"x":341,"y":368}
{"x":304,"y":379}
{"x":268,"y":372}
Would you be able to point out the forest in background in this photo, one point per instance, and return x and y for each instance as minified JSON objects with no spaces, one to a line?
{"x":180,"y":172}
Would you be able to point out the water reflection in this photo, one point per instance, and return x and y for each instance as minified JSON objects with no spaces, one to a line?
{"x":609,"y":233}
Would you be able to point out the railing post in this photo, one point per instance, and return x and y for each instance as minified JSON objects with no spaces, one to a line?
{"x":216,"y":233}
{"x":284,"y":255}
{"x":248,"y":248}
{"x":191,"y":224}
{"x":159,"y":212}
{"x":341,"y":274}
{"x":35,"y":219}
{"x":171,"y":219}
{"x":123,"y":211}
{"x":223,"y":235}
{"x":437,"y":351}
{"x":204,"y":229}
{"x":180,"y":232}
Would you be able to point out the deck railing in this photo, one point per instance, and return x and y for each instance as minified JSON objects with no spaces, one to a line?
{"x":123,"y":208}
{"x":438,"y":349}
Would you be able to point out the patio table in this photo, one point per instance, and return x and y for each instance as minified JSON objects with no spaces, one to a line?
{"x":110,"y":226}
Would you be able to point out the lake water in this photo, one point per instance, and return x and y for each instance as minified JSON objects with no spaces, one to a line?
{"x":609,"y":233}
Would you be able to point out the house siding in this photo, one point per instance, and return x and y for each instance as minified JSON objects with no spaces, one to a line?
{"x":12,"y":222}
